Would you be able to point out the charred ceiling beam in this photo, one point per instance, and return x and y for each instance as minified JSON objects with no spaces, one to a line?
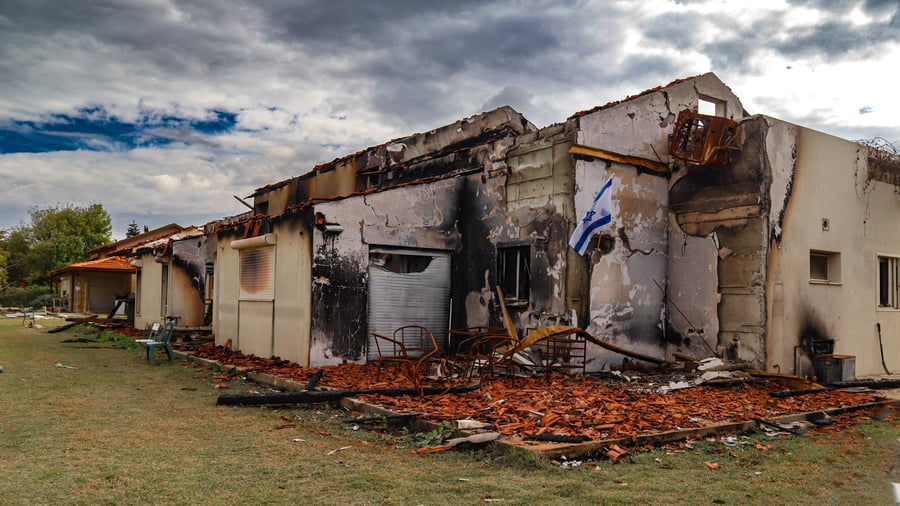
{"x":604,"y":154}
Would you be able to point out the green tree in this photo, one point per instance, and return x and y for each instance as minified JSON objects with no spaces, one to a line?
{"x":133,"y":229}
{"x":15,"y":244}
{"x":4,"y":257}
{"x":57,"y":236}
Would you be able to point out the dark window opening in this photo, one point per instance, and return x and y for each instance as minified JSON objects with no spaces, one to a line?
{"x":825,"y":267}
{"x":514,"y":272}
{"x":888,"y":282}
{"x":818,"y":267}
{"x":401,"y":264}
{"x":164,"y":291}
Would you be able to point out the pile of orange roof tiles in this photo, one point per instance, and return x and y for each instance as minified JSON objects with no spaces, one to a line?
{"x":562,"y":404}
{"x":596,"y":410}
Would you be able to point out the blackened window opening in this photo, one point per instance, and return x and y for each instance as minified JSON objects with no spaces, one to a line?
{"x":514,"y":272}
{"x":401,"y":264}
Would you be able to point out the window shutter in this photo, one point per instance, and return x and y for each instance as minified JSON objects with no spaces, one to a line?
{"x":258,"y":273}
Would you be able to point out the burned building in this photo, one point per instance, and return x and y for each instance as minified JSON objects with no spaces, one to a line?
{"x":103,"y":283}
{"x":173,"y":279}
{"x":717,"y":244}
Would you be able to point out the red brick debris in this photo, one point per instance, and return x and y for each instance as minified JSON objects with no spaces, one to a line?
{"x":559,"y":403}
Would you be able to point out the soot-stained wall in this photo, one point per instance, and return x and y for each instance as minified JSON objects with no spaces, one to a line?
{"x":630,"y":285}
{"x":523,"y":199}
{"x":528,"y":206}
{"x":421,"y":217}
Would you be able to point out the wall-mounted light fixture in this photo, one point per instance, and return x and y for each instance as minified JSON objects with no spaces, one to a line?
{"x":326,"y":227}
{"x":826,"y":224}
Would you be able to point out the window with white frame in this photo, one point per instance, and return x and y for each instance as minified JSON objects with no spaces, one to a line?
{"x":824,"y":267}
{"x":888,"y":282}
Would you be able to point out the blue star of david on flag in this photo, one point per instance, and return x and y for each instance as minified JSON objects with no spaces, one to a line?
{"x":596,"y":218}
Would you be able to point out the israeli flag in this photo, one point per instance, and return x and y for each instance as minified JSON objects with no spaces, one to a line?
{"x":597,"y":217}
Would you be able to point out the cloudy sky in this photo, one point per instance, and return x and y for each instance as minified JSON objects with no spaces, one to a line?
{"x":161,"y":110}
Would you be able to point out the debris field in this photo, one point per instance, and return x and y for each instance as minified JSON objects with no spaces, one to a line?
{"x":585,"y":407}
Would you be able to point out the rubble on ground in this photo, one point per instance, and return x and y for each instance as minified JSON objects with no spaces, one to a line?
{"x":608,"y":405}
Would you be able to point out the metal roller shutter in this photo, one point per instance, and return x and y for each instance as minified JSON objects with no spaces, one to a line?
{"x":404,"y":298}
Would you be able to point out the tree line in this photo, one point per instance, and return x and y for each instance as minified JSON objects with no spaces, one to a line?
{"x":54,"y":237}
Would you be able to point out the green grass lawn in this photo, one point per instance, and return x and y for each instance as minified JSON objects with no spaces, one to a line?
{"x":112,"y":430}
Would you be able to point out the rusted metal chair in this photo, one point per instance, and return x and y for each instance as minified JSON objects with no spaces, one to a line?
{"x":411,"y":347}
{"x":460,"y":339}
{"x":566,"y":353}
{"x":479,"y":349}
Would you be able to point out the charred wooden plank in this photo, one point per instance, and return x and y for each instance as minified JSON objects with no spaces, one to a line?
{"x":867,"y":383}
{"x":555,"y":438}
{"x":793,"y":393}
{"x":386,"y":418}
{"x":314,"y":380}
{"x":329,"y":395}
{"x":69,"y":325}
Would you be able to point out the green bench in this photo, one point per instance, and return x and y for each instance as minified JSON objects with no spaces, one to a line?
{"x":159,"y":337}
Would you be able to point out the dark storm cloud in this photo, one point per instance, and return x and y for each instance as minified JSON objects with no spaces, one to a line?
{"x":198,"y":37}
{"x":838,"y":39}
{"x":513,"y":96}
{"x":210,"y":98}
{"x":682,"y":31}
{"x":832,"y":38}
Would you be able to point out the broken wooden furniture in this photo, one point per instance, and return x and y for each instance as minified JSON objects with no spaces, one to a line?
{"x":161,"y":340}
{"x":285,"y":398}
{"x":411,"y":347}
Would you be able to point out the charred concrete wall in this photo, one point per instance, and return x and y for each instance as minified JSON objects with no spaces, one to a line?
{"x":524,"y":210}
{"x":188,"y":283}
{"x":790,"y":197}
{"x":397,"y":162}
{"x":627,"y":281}
{"x":419,"y":217}
{"x":173,"y":279}
{"x":719,"y":251}
{"x":519,"y":199}
{"x":628,"y":285}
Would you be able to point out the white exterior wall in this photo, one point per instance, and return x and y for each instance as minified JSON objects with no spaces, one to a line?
{"x":864,"y":220}
{"x":225,"y":293}
{"x":267,"y":328}
{"x":150,"y":310}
